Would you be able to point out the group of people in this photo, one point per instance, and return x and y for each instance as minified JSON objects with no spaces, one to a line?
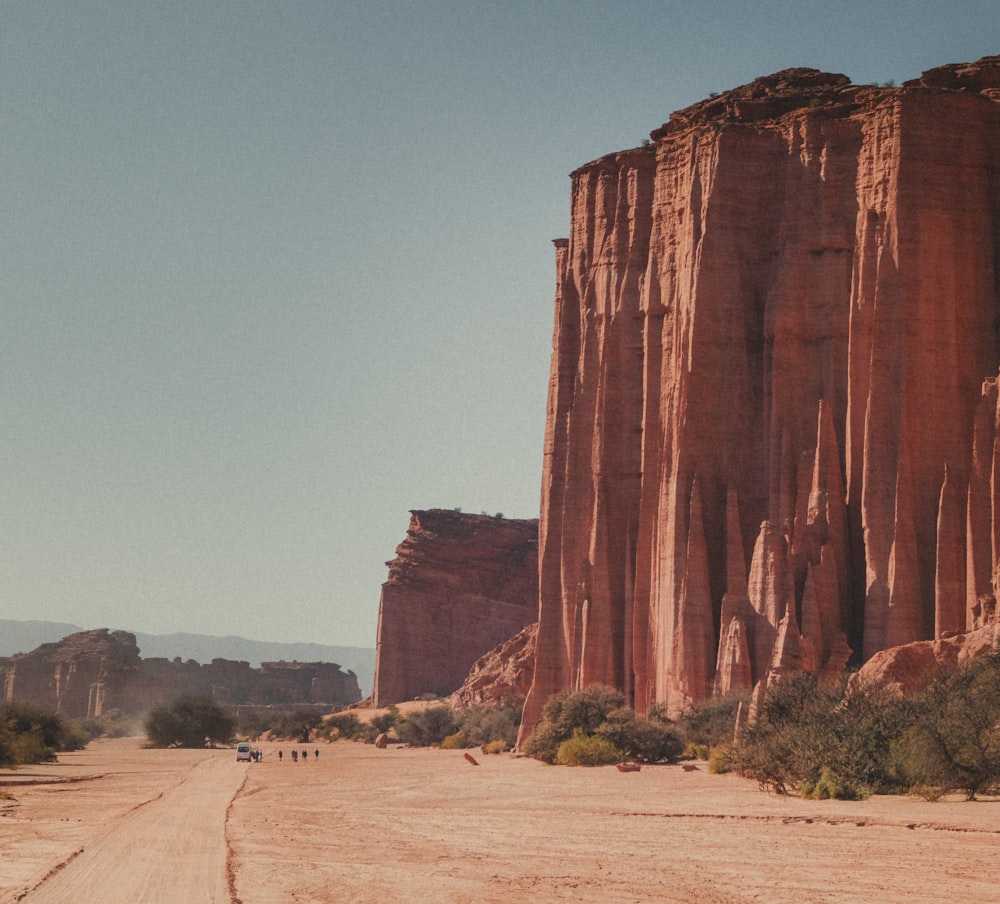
{"x":295,"y":755}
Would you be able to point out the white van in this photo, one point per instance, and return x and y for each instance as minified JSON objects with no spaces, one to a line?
{"x":243,"y":752}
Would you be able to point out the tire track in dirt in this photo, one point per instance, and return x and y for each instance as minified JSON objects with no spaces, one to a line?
{"x":170,"y":849}
{"x":816,"y":820}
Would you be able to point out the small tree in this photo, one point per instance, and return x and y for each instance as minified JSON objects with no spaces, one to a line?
{"x":814,"y":734}
{"x":955,"y":743}
{"x":189,"y":721}
{"x":31,"y":734}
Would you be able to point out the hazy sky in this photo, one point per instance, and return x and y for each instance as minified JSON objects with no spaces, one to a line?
{"x":272,"y":274}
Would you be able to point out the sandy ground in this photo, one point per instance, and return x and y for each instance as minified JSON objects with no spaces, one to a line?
{"x":367,"y":825}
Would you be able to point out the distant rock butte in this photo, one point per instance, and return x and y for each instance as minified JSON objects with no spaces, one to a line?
{"x":460,"y":585}
{"x":773,"y":427}
{"x":89,"y":673}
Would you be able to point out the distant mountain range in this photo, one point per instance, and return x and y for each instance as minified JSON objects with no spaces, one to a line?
{"x":25,"y":636}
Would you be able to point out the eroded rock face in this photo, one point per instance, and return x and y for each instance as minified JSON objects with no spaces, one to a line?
{"x":460,"y":585}
{"x":501,"y":675}
{"x":88,"y":673}
{"x":769,"y":441}
{"x":906,"y":669}
{"x":80,"y":676}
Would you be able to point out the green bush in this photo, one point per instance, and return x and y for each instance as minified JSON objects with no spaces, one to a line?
{"x":805,"y":726}
{"x":454,"y":741}
{"x":598,"y":712}
{"x":954,"y":743}
{"x":426,"y":728}
{"x":342,"y":725}
{"x":385,"y":721}
{"x":563,"y":713}
{"x":712,"y":721}
{"x":646,"y":740}
{"x":587,"y":709}
{"x":482,"y":725}
{"x":830,"y":786}
{"x":543,"y":743}
{"x":790,"y":741}
{"x":28,"y":747}
{"x":32,"y":734}
{"x":697,"y":751}
{"x":189,"y":722}
{"x":95,"y":728}
{"x":76,"y":738}
{"x":720,"y":759}
{"x":587,"y":750}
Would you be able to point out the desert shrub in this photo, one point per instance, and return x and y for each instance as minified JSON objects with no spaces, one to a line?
{"x":28,"y":747}
{"x":189,"y":721}
{"x":565,"y":712}
{"x":543,"y":742}
{"x":867,"y":728}
{"x":32,"y":734}
{"x":805,"y":726}
{"x":598,"y":711}
{"x":647,"y":740}
{"x":930,"y":793}
{"x":587,"y":709}
{"x":347,"y":726}
{"x":697,"y":751}
{"x":712,"y":721}
{"x":454,"y":741}
{"x":426,"y":728}
{"x":954,"y":743}
{"x":385,"y":721}
{"x":587,"y":750}
{"x":720,"y":759}
{"x":75,"y":738}
{"x":830,"y":786}
{"x":343,"y":725}
{"x":789,"y":741}
{"x":495,"y":747}
{"x":95,"y":728}
{"x":483,"y":724}
{"x":295,"y":724}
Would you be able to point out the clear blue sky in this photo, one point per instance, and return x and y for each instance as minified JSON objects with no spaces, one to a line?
{"x":274,"y":273}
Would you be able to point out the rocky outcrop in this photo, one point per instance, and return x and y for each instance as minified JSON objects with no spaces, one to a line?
{"x":460,"y":585}
{"x":906,"y":669}
{"x":501,"y":675}
{"x":769,"y":442}
{"x":80,"y":676}
{"x":88,"y":673}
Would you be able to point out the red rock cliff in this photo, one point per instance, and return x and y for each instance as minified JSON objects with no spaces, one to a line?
{"x":769,"y":442}
{"x":460,"y":585}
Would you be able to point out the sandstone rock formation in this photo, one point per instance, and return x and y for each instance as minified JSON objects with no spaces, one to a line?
{"x":91,"y":672}
{"x":907,"y":668}
{"x":769,"y":441}
{"x":502,"y":674}
{"x":460,"y":585}
{"x":80,"y":676}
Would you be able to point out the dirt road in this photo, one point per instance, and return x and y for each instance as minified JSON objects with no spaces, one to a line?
{"x":171,"y":847}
